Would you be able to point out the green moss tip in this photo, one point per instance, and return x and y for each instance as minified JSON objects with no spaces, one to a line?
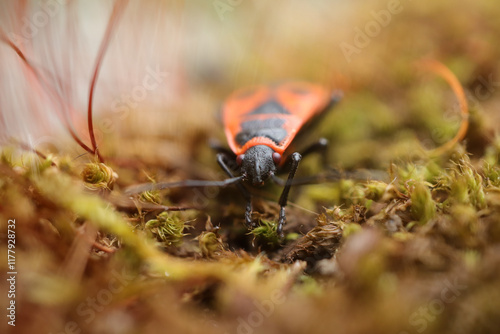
{"x":152,"y":196}
{"x":267,"y":231}
{"x":209,"y":243}
{"x":98,"y":176}
{"x":423,"y":207}
{"x":168,"y":228}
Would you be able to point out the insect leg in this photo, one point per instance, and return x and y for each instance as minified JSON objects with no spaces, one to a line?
{"x":296,"y":157}
{"x":321,"y":147}
{"x":248,"y":210}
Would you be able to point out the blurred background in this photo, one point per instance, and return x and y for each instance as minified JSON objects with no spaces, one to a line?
{"x":169,"y":65}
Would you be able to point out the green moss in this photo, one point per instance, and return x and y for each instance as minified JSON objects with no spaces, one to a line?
{"x":267,"y":232}
{"x":292,"y":236}
{"x":351,"y":229}
{"x":423,"y":207}
{"x":167,"y":228}
{"x":424,"y":171}
{"x":210,"y":243}
{"x":375,"y":189}
{"x":152,"y":196}
{"x":308,"y":286}
{"x":362,"y":117}
{"x":432,"y":112}
{"x":491,"y":174}
{"x":472,"y":258}
{"x":492,"y":153}
{"x":7,"y":156}
{"x":464,"y":183}
{"x":98,"y":176}
{"x":66,"y":164}
{"x":62,"y":190}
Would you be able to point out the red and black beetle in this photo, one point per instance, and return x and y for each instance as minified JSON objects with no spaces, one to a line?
{"x":260,"y":123}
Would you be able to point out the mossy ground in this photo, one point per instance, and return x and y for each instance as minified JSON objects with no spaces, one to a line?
{"x":416,"y":252}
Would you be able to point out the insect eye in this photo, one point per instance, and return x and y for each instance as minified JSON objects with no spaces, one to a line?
{"x":239,"y":159}
{"x":276,"y":158}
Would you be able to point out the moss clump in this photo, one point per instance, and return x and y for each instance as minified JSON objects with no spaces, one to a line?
{"x":464,"y":184}
{"x":98,"y":176}
{"x":267,"y":232}
{"x":167,"y":228}
{"x":320,"y":243}
{"x":374,"y":190}
{"x":151,"y":196}
{"x":423,"y":207}
{"x":491,"y":175}
{"x":426,"y":172}
{"x":209,"y":243}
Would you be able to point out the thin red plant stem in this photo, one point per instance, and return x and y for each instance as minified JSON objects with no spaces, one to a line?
{"x":50,"y":89}
{"x":443,"y":71}
{"x":118,"y":9}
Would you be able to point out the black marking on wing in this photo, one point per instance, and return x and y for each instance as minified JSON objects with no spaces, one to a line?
{"x":271,"y":128}
{"x":267,"y":123}
{"x":270,"y":107}
{"x":276,"y":135}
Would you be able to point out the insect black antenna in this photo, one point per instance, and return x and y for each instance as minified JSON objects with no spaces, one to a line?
{"x":139,"y":188}
{"x":246,"y":194}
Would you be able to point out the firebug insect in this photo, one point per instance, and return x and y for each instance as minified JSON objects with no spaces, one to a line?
{"x":260,"y":124}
